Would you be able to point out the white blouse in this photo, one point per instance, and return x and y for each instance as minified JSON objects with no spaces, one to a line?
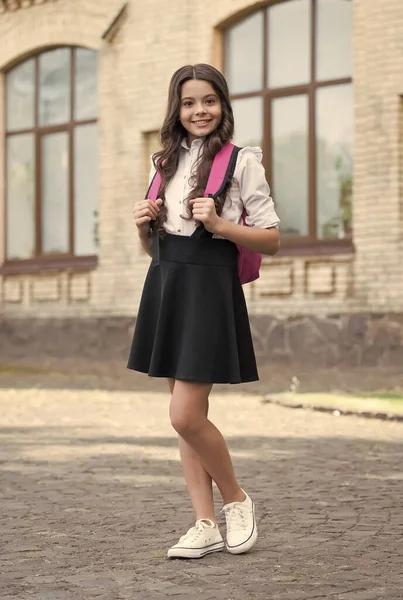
{"x":249,"y":190}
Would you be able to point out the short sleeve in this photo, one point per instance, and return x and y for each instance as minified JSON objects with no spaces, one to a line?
{"x":254,"y":189}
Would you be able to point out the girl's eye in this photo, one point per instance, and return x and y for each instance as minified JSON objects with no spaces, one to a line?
{"x":210,"y":101}
{"x":187,"y":103}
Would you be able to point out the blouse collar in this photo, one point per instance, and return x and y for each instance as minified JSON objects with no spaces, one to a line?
{"x":195,"y":144}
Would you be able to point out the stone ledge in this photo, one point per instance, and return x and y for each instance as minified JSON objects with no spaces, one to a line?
{"x":342,"y":341}
{"x":348,"y":340}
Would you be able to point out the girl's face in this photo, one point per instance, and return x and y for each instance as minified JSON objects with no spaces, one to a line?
{"x":200,"y":112}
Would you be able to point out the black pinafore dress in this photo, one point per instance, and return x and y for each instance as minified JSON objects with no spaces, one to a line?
{"x":193,"y":323}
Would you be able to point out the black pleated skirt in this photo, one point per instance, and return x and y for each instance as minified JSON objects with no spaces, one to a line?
{"x":192,"y":323}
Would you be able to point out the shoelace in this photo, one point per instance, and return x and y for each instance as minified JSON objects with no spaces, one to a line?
{"x":197,"y":529}
{"x":235,"y":516}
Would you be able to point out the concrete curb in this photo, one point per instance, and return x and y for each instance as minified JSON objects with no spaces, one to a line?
{"x":336,"y":410}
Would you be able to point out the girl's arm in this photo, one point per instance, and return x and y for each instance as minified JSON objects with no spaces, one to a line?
{"x":144,"y":212}
{"x":263,"y":241}
{"x":262,"y":235}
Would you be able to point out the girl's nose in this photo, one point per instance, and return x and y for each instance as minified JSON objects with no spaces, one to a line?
{"x":200,"y":110}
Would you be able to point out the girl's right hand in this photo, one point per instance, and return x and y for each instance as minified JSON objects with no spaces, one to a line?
{"x":144,"y":212}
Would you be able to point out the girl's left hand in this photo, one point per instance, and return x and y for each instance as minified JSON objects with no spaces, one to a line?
{"x":204,"y":211}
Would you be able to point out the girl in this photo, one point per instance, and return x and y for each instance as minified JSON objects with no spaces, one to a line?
{"x":192,"y":325}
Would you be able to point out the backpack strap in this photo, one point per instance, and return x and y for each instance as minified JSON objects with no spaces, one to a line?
{"x":154,"y":187}
{"x":221,"y":173}
{"x":222,"y":170}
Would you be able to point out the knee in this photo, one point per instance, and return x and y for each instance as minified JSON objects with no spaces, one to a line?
{"x":185,"y":423}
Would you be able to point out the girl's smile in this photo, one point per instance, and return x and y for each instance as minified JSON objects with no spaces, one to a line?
{"x":202,"y":123}
{"x":200,"y":112}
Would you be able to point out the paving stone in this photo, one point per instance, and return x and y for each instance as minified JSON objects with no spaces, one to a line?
{"x":92,"y":495}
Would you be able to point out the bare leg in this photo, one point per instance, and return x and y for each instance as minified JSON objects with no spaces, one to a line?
{"x":189,"y":419}
{"x":198,"y":481}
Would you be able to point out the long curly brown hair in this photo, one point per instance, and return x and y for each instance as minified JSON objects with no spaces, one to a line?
{"x":172,"y":133}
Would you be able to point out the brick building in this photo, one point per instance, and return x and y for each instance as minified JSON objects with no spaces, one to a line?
{"x":317,"y":83}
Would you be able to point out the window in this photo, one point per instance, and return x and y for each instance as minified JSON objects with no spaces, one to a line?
{"x":289,"y":70}
{"x":51,"y":158}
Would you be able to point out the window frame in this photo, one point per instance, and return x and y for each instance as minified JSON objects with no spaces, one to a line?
{"x":46,"y":262}
{"x":293,"y":244}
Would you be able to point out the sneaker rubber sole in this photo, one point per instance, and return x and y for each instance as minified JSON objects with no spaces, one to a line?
{"x":195,"y":552}
{"x":247,"y":544}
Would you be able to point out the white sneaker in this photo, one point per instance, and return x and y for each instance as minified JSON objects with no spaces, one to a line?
{"x":200,"y":540}
{"x":241,"y":525}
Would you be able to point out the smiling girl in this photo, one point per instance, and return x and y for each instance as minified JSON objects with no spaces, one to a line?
{"x":192,"y":326}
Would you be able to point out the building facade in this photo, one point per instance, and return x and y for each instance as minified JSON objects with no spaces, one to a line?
{"x":317,"y":83}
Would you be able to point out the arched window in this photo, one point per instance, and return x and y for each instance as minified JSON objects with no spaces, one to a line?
{"x":52,"y":158}
{"x":289,"y":69}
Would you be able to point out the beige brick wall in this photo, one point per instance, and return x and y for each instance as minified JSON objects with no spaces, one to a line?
{"x":378,"y":122}
{"x":134,"y":72}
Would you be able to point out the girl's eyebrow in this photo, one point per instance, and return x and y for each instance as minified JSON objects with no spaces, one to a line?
{"x":207,"y":96}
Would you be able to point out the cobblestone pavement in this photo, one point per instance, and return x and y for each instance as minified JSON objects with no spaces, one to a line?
{"x":92,"y":495}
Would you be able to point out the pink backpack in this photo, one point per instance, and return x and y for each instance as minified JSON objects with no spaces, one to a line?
{"x":222,"y":170}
